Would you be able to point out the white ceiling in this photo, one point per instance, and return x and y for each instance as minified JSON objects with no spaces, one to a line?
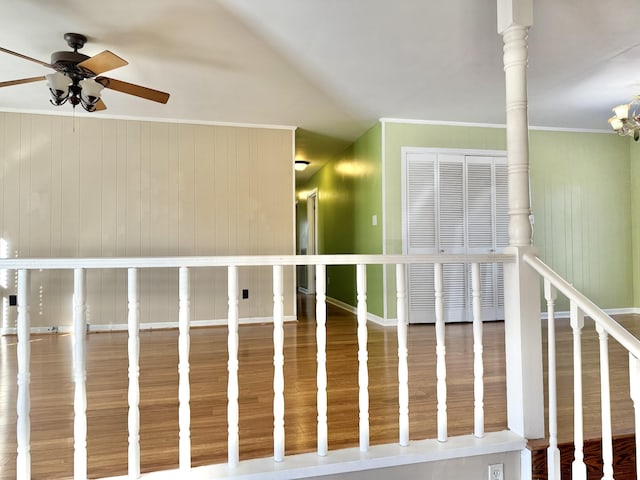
{"x":332,"y":68}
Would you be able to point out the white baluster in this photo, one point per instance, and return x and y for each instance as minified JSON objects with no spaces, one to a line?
{"x":634,"y":389}
{"x":403,"y":353}
{"x":232,"y":386}
{"x":278,"y":364}
{"x":23,"y":428}
{"x":578,"y":467}
{"x":363,"y":372}
{"x":553,"y":452}
{"x":478,"y":367}
{"x":441,"y":366}
{"x":133,"y":323}
{"x":605,"y":402}
{"x":321,"y":341}
{"x":80,"y":374}
{"x":184,"y":387}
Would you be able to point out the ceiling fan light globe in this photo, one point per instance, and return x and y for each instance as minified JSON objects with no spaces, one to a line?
{"x":58,"y":84}
{"x":91,"y":91}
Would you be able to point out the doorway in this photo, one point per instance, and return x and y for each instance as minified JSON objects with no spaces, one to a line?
{"x":312,"y":238}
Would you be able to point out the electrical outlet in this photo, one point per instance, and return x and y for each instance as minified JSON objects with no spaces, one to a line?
{"x":496,"y":472}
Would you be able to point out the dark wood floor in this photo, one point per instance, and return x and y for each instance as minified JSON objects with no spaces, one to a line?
{"x":52,"y":391}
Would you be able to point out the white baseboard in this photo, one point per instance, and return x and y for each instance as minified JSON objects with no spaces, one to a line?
{"x":122,"y":327}
{"x":370,"y":316}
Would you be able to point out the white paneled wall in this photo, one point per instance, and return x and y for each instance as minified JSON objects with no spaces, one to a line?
{"x":90,"y":187}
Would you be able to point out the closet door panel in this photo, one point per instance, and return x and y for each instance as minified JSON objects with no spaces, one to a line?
{"x":421,"y":233}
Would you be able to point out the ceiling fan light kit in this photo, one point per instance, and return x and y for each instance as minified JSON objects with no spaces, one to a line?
{"x":76,"y":79}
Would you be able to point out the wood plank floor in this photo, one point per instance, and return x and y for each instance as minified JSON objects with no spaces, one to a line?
{"x":52,"y":391}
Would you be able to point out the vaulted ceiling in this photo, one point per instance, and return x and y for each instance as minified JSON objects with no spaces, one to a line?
{"x":332,"y":68}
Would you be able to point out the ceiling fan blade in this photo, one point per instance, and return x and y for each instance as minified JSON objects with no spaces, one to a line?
{"x":103,"y":62}
{"x":131,"y":89}
{"x":99,"y":106}
{"x":22,"y":80}
{"x":45,"y":64}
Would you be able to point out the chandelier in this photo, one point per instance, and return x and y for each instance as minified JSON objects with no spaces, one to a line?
{"x":626,"y":122}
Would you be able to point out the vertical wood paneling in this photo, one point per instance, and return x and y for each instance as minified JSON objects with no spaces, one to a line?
{"x":581,"y":198}
{"x":90,"y":191}
{"x":70,"y":189}
{"x":24,"y":192}
{"x":164,"y":287}
{"x":3,"y":162}
{"x":39,"y":190}
{"x":186,"y":202}
{"x":133,"y":189}
{"x":99,"y":187}
{"x":110,"y":295}
{"x":122,"y":174}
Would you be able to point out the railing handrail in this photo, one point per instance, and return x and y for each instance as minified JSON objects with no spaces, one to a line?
{"x":246,"y":260}
{"x":612,"y":327}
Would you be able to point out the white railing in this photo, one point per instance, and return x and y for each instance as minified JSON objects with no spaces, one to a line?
{"x":184,"y":265}
{"x":606,"y":327}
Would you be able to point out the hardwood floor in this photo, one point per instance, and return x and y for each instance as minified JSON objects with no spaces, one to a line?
{"x":52,"y":391}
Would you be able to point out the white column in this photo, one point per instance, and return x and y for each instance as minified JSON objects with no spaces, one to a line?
{"x":363,"y":372}
{"x":403,"y":353}
{"x":441,"y":352}
{"x":514,"y":19}
{"x":321,"y":355}
{"x":23,"y":428}
{"x":133,"y":325}
{"x":184,"y":387}
{"x":232,"y":366}
{"x":578,"y":467}
{"x":80,"y":374}
{"x":553,"y":452}
{"x":523,"y":335}
{"x":278,"y":364}
{"x":478,"y":366}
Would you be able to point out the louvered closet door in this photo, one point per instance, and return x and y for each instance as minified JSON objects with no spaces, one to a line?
{"x":481,"y":225}
{"x":452,"y":232}
{"x":421,"y":233}
{"x":455,"y":204}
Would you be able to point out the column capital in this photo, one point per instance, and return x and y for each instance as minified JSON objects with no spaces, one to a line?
{"x":514,"y":12}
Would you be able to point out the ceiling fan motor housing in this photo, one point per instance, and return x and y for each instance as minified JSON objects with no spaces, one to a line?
{"x":67,"y":62}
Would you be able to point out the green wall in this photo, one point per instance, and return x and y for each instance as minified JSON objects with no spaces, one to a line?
{"x":581,"y":201}
{"x":585,"y":190}
{"x":634,"y":154}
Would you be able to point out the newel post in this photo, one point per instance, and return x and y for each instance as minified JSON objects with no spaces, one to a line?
{"x":523,"y":335}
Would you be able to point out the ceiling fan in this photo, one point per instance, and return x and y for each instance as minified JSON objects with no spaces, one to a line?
{"x":77,"y":77}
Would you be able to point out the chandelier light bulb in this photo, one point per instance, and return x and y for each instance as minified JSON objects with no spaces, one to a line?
{"x":622,"y":111}
{"x":616,"y":123}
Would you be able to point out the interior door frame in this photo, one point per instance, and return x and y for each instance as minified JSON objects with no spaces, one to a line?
{"x":312,"y":237}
